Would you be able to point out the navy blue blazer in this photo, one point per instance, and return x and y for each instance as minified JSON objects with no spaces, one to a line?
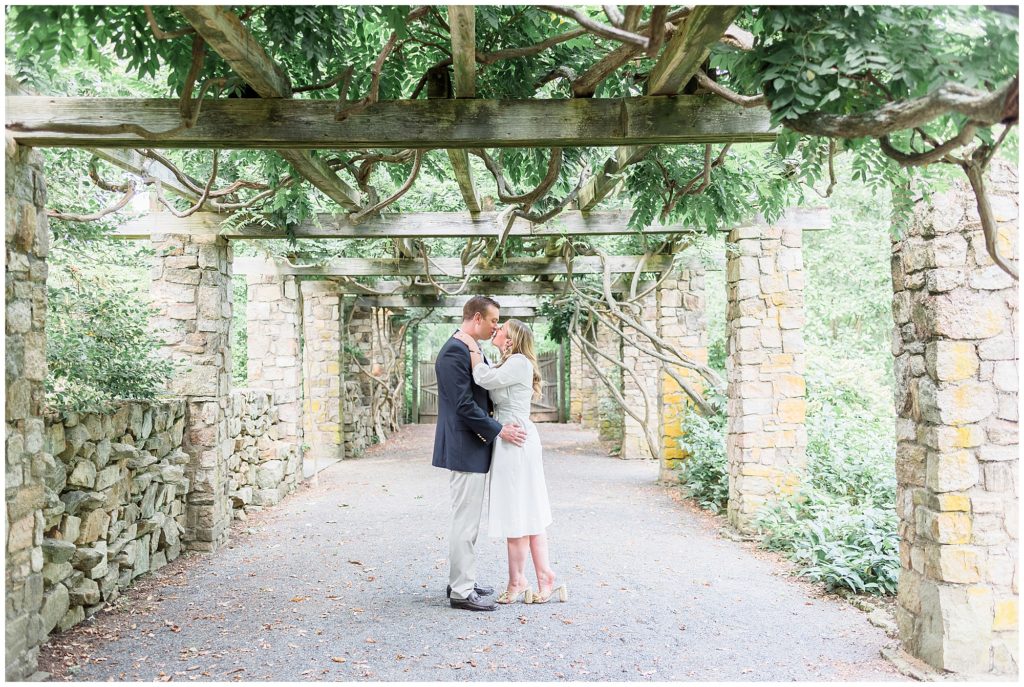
{"x":465,"y":429}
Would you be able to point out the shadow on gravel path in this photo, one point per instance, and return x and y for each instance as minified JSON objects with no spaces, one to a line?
{"x":345,"y":581}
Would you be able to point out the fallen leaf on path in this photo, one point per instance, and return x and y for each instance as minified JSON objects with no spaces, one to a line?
{"x":339,"y":659}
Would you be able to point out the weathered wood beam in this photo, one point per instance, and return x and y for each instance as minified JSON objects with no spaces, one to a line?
{"x":128,"y":160}
{"x":686,"y":50}
{"x":498,"y":289}
{"x":446,"y":267}
{"x":426,"y":301}
{"x":395,"y":225}
{"x":428,"y":225}
{"x":462,"y":20}
{"x":689,"y":47}
{"x":224,"y":32}
{"x":455,"y":314}
{"x":451,"y":123}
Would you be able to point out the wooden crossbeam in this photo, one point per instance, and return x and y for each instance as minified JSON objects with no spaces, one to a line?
{"x":225,"y":33}
{"x":428,"y":225}
{"x":462,"y":20}
{"x":447,"y":267}
{"x":128,"y":160}
{"x":686,"y":50}
{"x":425,"y":301}
{"x":395,"y":225}
{"x":498,"y":289}
{"x":278,"y":123}
{"x":455,"y":314}
{"x":689,"y":47}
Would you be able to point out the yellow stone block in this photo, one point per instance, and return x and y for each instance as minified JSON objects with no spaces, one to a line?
{"x":333,"y":368}
{"x":673,"y":430}
{"x":793,"y":410}
{"x":1005,"y":617}
{"x":756,"y":470}
{"x":777,"y":361}
{"x":953,"y":501}
{"x":951,"y":528}
{"x":790,"y":385}
{"x":968,"y":436}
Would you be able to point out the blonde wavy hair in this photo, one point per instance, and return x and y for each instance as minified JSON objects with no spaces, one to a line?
{"x":520,"y":340}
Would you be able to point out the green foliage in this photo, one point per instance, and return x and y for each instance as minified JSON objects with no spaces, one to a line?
{"x":99,"y":348}
{"x":704,"y":473}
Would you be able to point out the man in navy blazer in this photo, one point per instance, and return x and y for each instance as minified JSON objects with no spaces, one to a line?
{"x":463,"y":441}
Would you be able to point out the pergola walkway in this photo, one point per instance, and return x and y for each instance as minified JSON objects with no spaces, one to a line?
{"x":345,"y":581}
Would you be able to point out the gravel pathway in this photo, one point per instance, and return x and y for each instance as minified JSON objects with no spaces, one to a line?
{"x":345,"y":581}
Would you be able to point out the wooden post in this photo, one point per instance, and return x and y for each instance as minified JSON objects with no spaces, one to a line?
{"x":415,"y":375}
{"x":562,"y":412}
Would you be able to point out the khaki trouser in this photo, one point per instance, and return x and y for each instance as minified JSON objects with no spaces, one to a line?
{"x":467,"y":498}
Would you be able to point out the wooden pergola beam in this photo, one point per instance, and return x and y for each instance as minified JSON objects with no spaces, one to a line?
{"x":462,"y":20}
{"x":446,"y":268}
{"x":497,"y":289}
{"x":427,"y":301}
{"x":280,"y":124}
{"x":686,"y":50}
{"x":130,"y":161}
{"x":429,"y":225}
{"x":224,"y":32}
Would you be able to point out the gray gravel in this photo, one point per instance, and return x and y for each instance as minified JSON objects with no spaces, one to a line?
{"x":345,"y":581}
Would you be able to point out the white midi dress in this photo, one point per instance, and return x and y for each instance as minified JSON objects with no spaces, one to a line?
{"x":517,"y":494}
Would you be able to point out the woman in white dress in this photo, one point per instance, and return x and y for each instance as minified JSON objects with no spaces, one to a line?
{"x":518,"y":509}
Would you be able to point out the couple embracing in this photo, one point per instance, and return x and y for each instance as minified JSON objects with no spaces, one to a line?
{"x":493,"y":456}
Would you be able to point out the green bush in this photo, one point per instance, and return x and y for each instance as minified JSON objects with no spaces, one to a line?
{"x":841,"y":526}
{"x":705,"y":472}
{"x":99,"y":348}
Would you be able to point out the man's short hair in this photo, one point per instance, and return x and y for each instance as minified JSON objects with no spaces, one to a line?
{"x":478,"y":304}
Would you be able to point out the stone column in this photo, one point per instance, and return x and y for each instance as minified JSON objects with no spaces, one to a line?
{"x":321,"y":324}
{"x":582,"y":401}
{"x":648,"y":374}
{"x":609,"y":412}
{"x":766,"y":439}
{"x":682,"y":323}
{"x":956,"y":368}
{"x":25,"y":463}
{"x":191,"y":292}
{"x":357,"y":332}
{"x":275,"y":363}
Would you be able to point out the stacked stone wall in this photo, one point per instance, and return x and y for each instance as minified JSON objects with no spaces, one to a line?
{"x":116,"y":500}
{"x":956,"y":348}
{"x":265,"y":465}
{"x":25,"y":459}
{"x":766,"y":438}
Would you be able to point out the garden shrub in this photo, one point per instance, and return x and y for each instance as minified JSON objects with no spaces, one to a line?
{"x":99,"y":347}
{"x":705,"y":471}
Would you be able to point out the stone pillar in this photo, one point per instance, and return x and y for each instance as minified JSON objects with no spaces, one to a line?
{"x":25,"y":462}
{"x":191,"y":292}
{"x":766,"y":439}
{"x":956,"y":367}
{"x":321,"y":325}
{"x":648,"y":373}
{"x":357,"y":333}
{"x":681,"y":323}
{"x":609,"y":412}
{"x":275,"y":363}
{"x":582,"y":397}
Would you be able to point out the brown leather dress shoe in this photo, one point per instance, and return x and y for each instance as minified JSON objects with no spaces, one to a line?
{"x":474,"y":602}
